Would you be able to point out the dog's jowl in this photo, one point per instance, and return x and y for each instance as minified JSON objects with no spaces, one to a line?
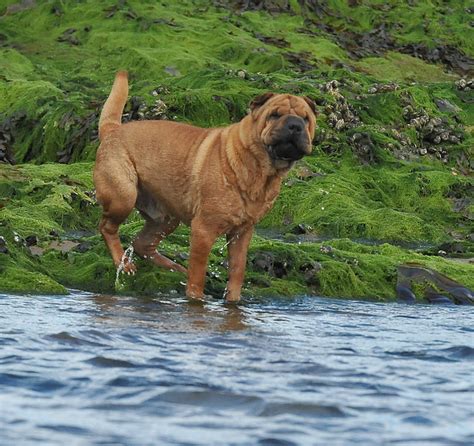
{"x":216,"y":180}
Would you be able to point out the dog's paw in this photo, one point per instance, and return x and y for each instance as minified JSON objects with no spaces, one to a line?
{"x":129,"y":268}
{"x":231,"y":296}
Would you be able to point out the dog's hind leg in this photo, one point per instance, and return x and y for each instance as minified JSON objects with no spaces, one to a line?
{"x":149,"y":238}
{"x":118,"y":200}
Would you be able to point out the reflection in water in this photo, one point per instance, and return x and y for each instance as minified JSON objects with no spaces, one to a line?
{"x":177,"y":314}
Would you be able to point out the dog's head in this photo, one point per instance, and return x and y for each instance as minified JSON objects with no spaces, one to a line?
{"x":285,"y":125}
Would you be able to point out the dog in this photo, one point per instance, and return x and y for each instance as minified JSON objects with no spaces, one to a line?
{"x":215,"y":180}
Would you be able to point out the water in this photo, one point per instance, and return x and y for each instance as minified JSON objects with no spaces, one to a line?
{"x":90,"y":369}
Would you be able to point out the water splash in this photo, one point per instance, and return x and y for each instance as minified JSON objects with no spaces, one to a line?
{"x":228,"y":242}
{"x":127,"y":256}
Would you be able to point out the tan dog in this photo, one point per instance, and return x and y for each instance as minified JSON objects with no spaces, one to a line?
{"x":218,"y":181}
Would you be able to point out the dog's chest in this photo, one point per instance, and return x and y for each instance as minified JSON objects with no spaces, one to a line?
{"x":259,"y":199}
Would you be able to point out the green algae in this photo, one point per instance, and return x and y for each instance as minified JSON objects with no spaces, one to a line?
{"x":13,"y":65}
{"x":347,"y":269}
{"x":79,"y":88}
{"x":19,"y":280}
{"x":441,"y":22}
{"x":196,"y":43}
{"x":396,"y":203}
{"x":427,"y":22}
{"x":46,"y":198}
{"x":402,"y":68}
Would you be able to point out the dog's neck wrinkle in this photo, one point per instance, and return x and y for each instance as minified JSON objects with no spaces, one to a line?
{"x":245,"y":157}
{"x":258,"y":149}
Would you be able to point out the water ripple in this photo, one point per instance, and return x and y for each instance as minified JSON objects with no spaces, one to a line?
{"x":301,"y":410}
{"x":68,"y":339}
{"x":94,"y":369}
{"x":102,"y":361}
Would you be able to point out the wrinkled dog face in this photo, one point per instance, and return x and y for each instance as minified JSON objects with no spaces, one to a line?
{"x":286,"y":125}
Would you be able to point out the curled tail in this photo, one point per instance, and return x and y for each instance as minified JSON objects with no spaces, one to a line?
{"x":111,"y":116}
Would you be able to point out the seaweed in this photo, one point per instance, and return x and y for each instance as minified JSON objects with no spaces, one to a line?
{"x":389,"y":181}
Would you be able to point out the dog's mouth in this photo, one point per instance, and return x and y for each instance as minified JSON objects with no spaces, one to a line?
{"x":286,"y":151}
{"x":276,"y":157}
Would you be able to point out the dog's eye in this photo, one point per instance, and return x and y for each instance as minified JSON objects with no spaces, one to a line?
{"x":306,"y":119}
{"x":274,"y":115}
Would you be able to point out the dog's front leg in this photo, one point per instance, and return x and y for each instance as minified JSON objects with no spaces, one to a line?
{"x":203,"y":237}
{"x":238,"y":243}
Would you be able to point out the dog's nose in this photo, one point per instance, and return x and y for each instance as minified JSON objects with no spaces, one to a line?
{"x":296,"y":128}
{"x":295,"y":124}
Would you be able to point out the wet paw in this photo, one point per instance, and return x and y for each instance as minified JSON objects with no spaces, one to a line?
{"x":129,"y":268}
{"x":195,"y":295}
{"x":231,"y":297}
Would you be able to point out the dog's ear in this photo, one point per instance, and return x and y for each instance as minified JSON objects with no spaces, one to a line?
{"x":260,"y":100}
{"x":311,"y":104}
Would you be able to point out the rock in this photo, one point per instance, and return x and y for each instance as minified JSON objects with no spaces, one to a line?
{"x":159,"y":110}
{"x":276,"y":41}
{"x":263,"y":261}
{"x":36,"y":250}
{"x":301,"y":60}
{"x":433,"y":297}
{"x":445,"y":106}
{"x":464,"y":84}
{"x":310,"y":273}
{"x":455,"y":248}
{"x":405,"y":294}
{"x":302,"y":229}
{"x":266,"y":262}
{"x":326,"y":249}
{"x":449,"y":55}
{"x":31,"y":240}
{"x":7,"y":129}
{"x":69,"y":37}
{"x":413,"y":272}
{"x":304,"y":172}
{"x":341,"y":115}
{"x":20,"y":6}
{"x":461,"y":204}
{"x":3,"y":246}
{"x":18,"y":239}
{"x":83,"y":247}
{"x":280,"y":269}
{"x":172,"y":71}
{"x":64,"y":246}
{"x":462,"y":295}
{"x":383,"y":88}
{"x":363,"y":147}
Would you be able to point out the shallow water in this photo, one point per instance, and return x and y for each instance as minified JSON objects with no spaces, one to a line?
{"x":94,"y":369}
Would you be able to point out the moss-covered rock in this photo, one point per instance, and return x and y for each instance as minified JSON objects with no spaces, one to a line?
{"x":391,"y":168}
{"x":49,"y":219}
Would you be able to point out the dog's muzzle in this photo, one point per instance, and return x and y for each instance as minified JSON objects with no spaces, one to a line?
{"x":291,"y":142}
